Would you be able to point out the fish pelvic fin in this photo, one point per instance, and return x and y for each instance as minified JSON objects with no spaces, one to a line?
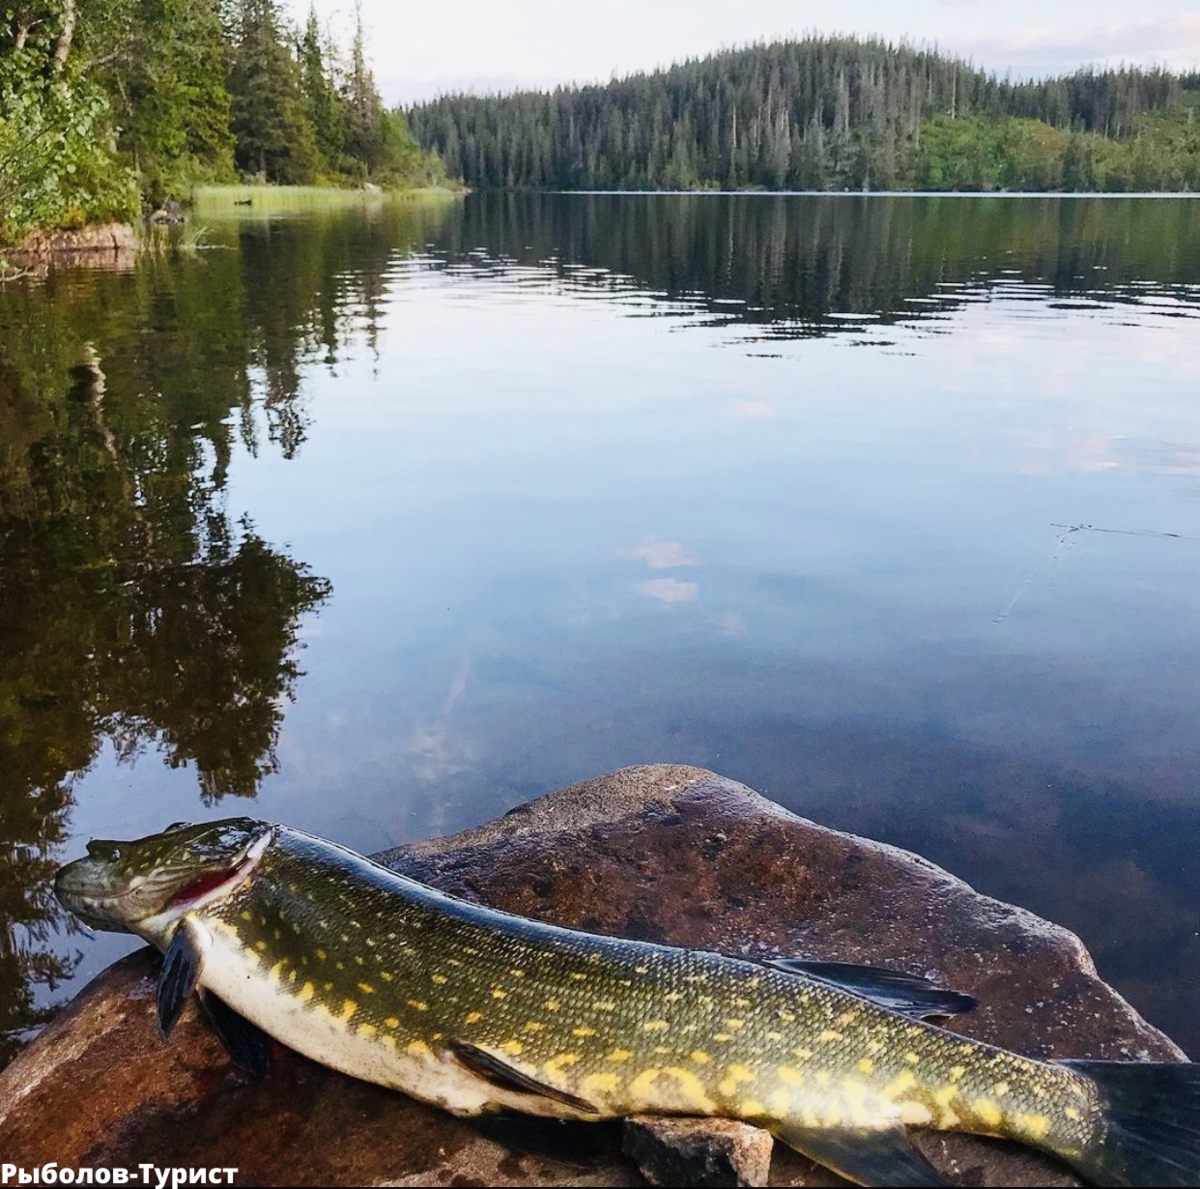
{"x":508,"y":1077}
{"x":1150,"y":1115}
{"x":866,"y":1156}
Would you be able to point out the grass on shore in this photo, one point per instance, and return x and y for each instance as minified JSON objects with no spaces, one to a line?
{"x":251,"y":201}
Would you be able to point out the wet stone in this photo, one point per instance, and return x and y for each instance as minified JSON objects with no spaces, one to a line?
{"x":663,"y":852}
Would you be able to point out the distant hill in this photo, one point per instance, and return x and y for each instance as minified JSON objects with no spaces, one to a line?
{"x":828,"y":114}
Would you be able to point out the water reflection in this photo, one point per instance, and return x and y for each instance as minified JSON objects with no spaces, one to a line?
{"x":846,"y":264}
{"x":565,"y":537}
{"x":134,"y":607}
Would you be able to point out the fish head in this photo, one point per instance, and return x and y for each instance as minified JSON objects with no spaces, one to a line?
{"x":145,"y":886}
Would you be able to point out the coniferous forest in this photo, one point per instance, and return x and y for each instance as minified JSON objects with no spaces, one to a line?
{"x":109,"y":104}
{"x":828,"y":114}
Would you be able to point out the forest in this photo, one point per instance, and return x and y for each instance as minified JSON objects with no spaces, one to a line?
{"x":828,"y":114}
{"x":107,"y":105}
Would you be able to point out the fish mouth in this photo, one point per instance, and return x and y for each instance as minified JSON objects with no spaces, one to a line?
{"x":106,"y":898}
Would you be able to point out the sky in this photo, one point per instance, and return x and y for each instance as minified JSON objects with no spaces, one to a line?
{"x":421,"y":50}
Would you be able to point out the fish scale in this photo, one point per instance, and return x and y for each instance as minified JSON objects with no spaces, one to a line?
{"x":473,"y":1009}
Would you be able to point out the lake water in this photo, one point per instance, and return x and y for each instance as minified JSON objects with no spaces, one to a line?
{"x":392,"y":519}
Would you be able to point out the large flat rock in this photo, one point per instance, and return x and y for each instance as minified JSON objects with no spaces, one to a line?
{"x":662,"y":852}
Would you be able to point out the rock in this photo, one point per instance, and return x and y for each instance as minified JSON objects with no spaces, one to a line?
{"x":665,"y":853}
{"x":677,"y":1152}
{"x":96,"y":238}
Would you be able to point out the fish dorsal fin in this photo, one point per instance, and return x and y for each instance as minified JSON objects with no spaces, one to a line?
{"x":884,"y":1157}
{"x":500,"y":1073}
{"x":898,"y":992}
{"x":178,"y":978}
{"x":246,"y":1043}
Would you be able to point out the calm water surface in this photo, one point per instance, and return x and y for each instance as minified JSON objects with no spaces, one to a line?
{"x":393,"y":519}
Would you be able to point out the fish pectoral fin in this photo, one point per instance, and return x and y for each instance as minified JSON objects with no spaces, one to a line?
{"x":180,"y":973}
{"x":904,"y":993}
{"x":500,"y":1073}
{"x":246,"y":1043}
{"x":884,"y":1157}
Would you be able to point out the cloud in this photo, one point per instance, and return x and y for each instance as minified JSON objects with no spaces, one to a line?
{"x":1173,"y":41}
{"x":670,"y":590}
{"x":660,"y":555}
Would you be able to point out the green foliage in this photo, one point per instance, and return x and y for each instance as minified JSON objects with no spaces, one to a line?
{"x":56,"y":138}
{"x":826,"y":114}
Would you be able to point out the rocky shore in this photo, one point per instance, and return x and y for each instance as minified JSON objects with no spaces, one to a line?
{"x":665,"y":853}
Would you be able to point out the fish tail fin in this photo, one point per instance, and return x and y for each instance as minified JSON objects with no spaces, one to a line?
{"x":1151,"y":1123}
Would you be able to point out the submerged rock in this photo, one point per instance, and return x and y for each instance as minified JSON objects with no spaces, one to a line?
{"x":664,"y":853}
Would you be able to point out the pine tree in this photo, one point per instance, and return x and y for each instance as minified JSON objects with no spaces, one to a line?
{"x":275,"y":137}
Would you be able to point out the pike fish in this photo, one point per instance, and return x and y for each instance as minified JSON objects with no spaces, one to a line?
{"x":476,"y":1010}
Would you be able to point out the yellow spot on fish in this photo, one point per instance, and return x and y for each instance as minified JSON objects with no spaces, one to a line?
{"x":273,"y":974}
{"x":260,"y":945}
{"x":823,"y":1077}
{"x":946,"y":1095}
{"x":780,"y":1104}
{"x":735,"y":1075}
{"x":1000,"y":1089}
{"x":418,"y":1048}
{"x":517,"y":973}
{"x":735,"y":1024}
{"x":866,"y":1065}
{"x":367,"y":1030}
{"x":554,"y":1067}
{"x":605,"y":1005}
{"x":599,"y":1081}
{"x":913,"y":1058}
{"x":789,"y":1076}
{"x":552,"y":1005}
{"x":392,"y":1022}
{"x":741,"y":1001}
{"x":513,"y":1047}
{"x":620,"y":1055}
{"x":366,"y":988}
{"x":437,"y":978}
{"x":751,"y":1108}
{"x":321,"y":954}
{"x":786,"y":1016}
{"x":847,"y":1017}
{"x":307,"y":992}
{"x":383,"y":974}
{"x":655,"y":1026}
{"x":453,"y":962}
{"x":390,"y":1041}
{"x":722,"y":1036}
{"x":1071,"y":1113}
{"x":534,"y":1026}
{"x":578,"y":974}
{"x":1034,"y":1126}
{"x":904,"y":1080}
{"x":642,"y":969}
{"x":775,"y":1036}
{"x":499,"y":993}
{"x":247,"y":916}
{"x":418,"y":1005}
{"x":700,"y":1057}
{"x":956,"y":1072}
{"x":349,"y":1007}
{"x":987,"y":1111}
{"x":802,"y":1054}
{"x":583,"y":1031}
{"x":473,"y":1017}
{"x":673,"y":996}
{"x":829,"y":1034}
